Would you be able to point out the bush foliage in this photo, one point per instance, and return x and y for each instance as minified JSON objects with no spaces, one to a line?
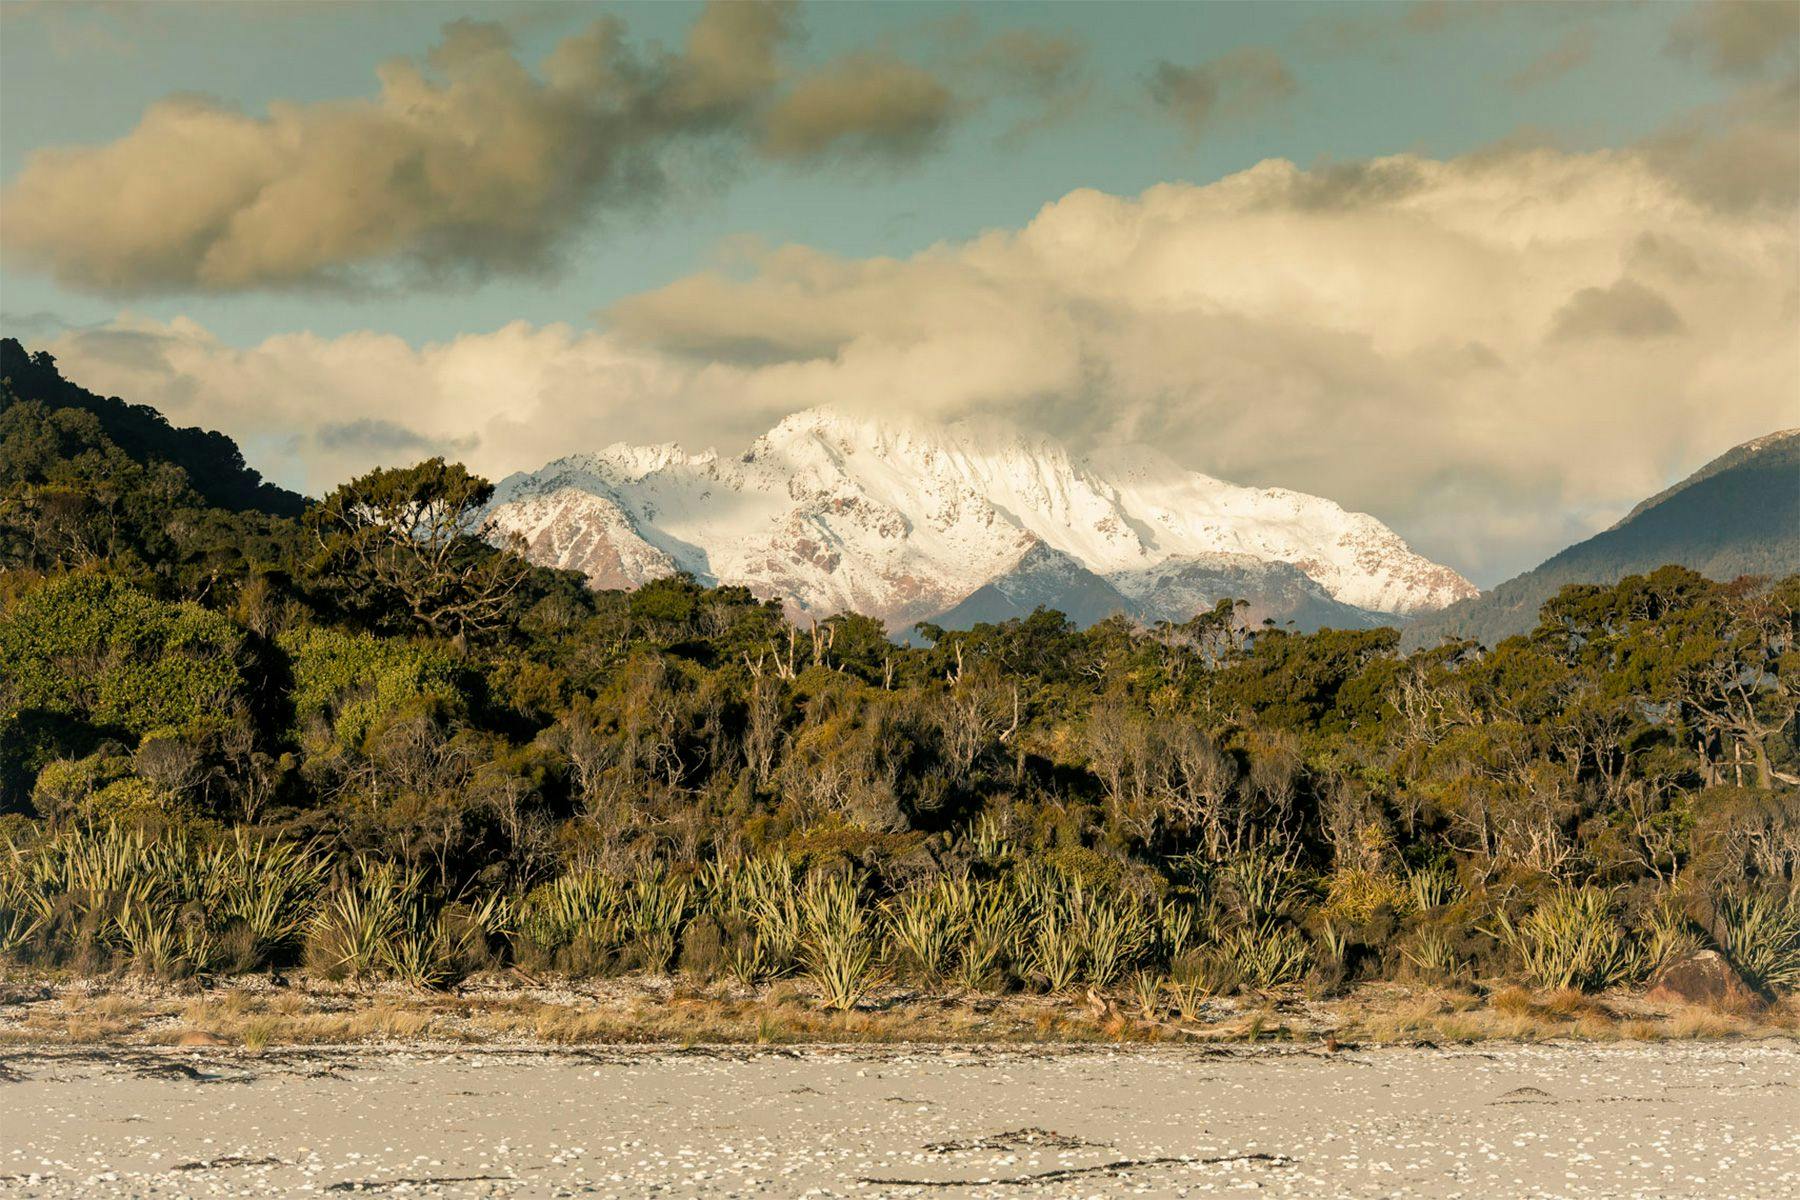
{"x":365,"y":740}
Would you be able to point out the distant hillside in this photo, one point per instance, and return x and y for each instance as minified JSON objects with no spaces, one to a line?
{"x":1737,"y":515}
{"x":214,"y":465}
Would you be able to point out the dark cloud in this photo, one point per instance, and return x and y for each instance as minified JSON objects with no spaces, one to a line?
{"x":1045,"y":72}
{"x":1033,"y":62}
{"x":1365,"y":183}
{"x":387,"y":437}
{"x":865,"y":106}
{"x":468,"y":162}
{"x":1389,"y":32}
{"x":1739,"y":37}
{"x":37,"y":321}
{"x":1232,"y":87}
{"x":1627,"y":309}
{"x":1574,"y":51}
{"x":1740,"y":154}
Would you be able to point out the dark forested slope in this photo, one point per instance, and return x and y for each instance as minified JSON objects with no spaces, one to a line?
{"x":1738,"y":515}
{"x":215,"y":468}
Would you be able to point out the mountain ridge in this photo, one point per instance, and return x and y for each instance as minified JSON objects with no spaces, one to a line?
{"x":906,"y":520}
{"x":1739,"y":514}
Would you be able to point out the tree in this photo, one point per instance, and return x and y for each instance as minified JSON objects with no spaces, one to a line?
{"x":1747,"y":686}
{"x":414,"y":538}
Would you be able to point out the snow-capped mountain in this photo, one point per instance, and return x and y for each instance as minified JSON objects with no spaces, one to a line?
{"x":907,"y":521}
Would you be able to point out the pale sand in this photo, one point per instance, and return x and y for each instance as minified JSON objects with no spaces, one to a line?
{"x":1710,"y":1120}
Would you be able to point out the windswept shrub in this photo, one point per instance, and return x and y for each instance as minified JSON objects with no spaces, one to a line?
{"x":655,"y":910}
{"x":575,"y":922}
{"x":1266,"y":955}
{"x":1258,"y":885}
{"x":1117,"y":932}
{"x":1667,"y":935}
{"x":359,"y":928}
{"x":1057,"y":950}
{"x":1434,"y":957}
{"x":755,"y":903}
{"x":995,"y":922}
{"x":169,"y":902}
{"x":1356,"y":895}
{"x":1432,"y":887}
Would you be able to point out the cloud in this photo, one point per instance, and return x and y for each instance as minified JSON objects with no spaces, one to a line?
{"x":1391,"y":31}
{"x":1045,"y":72}
{"x":1741,"y":152}
{"x":470,"y":162}
{"x":1739,"y":37}
{"x":374,"y":435}
{"x":1573,"y":51}
{"x":1032,"y":61}
{"x":1625,"y":310}
{"x":465,"y":164}
{"x":865,"y":105}
{"x":1233,"y":87}
{"x":1498,"y":353}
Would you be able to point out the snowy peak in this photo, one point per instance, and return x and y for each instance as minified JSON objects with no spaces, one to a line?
{"x":904,"y":520}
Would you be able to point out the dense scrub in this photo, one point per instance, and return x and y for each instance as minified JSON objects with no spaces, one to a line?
{"x":366,"y":742}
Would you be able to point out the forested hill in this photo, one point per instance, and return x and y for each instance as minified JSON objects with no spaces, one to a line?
{"x":1738,"y":515}
{"x":215,"y":467}
{"x":380,"y":707}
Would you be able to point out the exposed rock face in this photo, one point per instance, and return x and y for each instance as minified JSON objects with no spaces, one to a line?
{"x":907,"y":521}
{"x":1704,"y":978}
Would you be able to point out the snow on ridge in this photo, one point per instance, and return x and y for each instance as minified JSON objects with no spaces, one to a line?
{"x":902,"y":518}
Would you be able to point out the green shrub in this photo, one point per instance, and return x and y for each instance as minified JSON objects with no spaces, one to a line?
{"x":353,"y":680}
{"x":1266,"y":955}
{"x":925,"y":926}
{"x":838,"y":939}
{"x":99,"y":649}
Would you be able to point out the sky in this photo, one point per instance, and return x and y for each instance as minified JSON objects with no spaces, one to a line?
{"x":1492,"y":272}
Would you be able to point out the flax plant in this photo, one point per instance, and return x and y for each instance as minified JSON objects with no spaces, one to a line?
{"x":926,"y":924}
{"x":838,"y":940}
{"x":1760,"y":933}
{"x":1572,"y":940}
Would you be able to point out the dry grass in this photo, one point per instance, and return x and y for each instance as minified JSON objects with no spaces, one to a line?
{"x":652,"y":1009}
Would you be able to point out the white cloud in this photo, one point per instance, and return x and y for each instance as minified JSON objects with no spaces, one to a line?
{"x":1497,"y":354}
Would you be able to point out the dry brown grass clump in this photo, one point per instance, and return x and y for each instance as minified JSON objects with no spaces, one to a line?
{"x":651,"y":1009}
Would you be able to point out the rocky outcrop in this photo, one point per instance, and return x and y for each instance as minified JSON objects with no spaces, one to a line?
{"x":1704,"y":978}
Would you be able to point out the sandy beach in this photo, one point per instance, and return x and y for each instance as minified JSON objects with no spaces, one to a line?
{"x":1713,"y":1120}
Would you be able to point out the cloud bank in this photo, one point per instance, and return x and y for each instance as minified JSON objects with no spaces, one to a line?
{"x":469,"y":162}
{"x":1497,"y":353}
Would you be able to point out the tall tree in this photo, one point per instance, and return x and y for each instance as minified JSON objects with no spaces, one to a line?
{"x":414,"y":539}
